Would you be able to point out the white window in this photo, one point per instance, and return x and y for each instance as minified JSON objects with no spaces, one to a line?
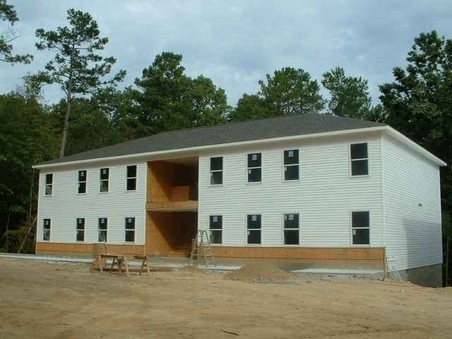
{"x":46,"y":230}
{"x":102,"y":230}
{"x":216,"y":229}
{"x":131,"y":178}
{"x":360,"y":228}
{"x":359,"y":159}
{"x":104,"y":178}
{"x":255,"y":167}
{"x":254,"y":229}
{"x":48,"y":184}
{"x":291,"y":165}
{"x":82,"y":181}
{"x":216,"y":171}
{"x":80,"y":229}
{"x":291,"y":229}
{"x":130,"y":229}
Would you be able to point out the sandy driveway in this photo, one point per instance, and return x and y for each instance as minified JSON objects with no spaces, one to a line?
{"x":39,"y":300}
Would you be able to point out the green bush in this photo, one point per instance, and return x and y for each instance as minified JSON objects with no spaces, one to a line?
{"x":11,"y":241}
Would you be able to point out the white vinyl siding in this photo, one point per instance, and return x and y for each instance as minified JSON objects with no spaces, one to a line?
{"x":65,"y":205}
{"x":325,"y":195}
{"x":412,"y":208}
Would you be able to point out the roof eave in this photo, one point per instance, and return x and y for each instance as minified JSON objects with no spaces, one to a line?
{"x":175,"y":152}
{"x":414,"y":146}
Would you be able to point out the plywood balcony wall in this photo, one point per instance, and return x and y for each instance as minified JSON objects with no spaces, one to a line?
{"x":170,"y":234}
{"x":171,"y":186}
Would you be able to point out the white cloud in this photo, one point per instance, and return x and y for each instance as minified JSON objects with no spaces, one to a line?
{"x":236,"y":43}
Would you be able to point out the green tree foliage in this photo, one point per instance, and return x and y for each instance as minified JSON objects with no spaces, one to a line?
{"x":17,"y":240}
{"x":349,"y":95}
{"x":77,"y":67}
{"x":7,"y":13}
{"x":209,"y":103}
{"x":291,"y":91}
{"x":167,"y":99}
{"x":90,"y":127}
{"x":418,"y":102}
{"x":447,"y":248}
{"x":121,"y":111}
{"x":249,"y":107}
{"x":27,"y":138}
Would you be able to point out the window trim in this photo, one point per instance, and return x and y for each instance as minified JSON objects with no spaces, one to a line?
{"x":48,"y":185}
{"x":248,"y":168}
{"x":130,"y":230}
{"x":290,"y":165}
{"x":44,"y":229}
{"x":220,"y":230}
{"x":284,"y":228}
{"x":131,"y":178}
{"x":82,"y":181}
{"x":358,"y":160}
{"x":99,"y":230}
{"x":253,"y":229}
{"x":360,"y":228}
{"x":77,"y":229}
{"x":211,"y":171}
{"x":104,"y":180}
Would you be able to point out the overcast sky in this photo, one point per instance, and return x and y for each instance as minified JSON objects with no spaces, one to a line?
{"x":236,"y":43}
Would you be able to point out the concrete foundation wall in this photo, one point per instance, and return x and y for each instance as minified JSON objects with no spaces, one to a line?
{"x":429,"y":276}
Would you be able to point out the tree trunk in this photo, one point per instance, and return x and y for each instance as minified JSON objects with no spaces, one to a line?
{"x":66,"y":118}
{"x":65,"y":129}
{"x":446,"y":264}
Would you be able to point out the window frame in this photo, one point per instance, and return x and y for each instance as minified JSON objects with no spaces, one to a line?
{"x":354,"y":228}
{"x":131,"y":178}
{"x":287,"y":228}
{"x":287,"y":165}
{"x":215,"y":171}
{"x":102,"y":230}
{"x":80,"y":230}
{"x":254,"y":168}
{"x":129,"y":230}
{"x":48,"y":184}
{"x":82,"y":183}
{"x":252,"y":230}
{"x":217,"y":231}
{"x":46,"y":229}
{"x":104,"y":182}
{"x":364,"y":160}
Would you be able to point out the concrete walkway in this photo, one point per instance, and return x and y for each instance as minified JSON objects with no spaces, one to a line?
{"x":175,"y":263}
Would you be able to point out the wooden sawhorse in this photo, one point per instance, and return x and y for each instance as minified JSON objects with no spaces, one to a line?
{"x":144,"y":262}
{"x":117,"y":260}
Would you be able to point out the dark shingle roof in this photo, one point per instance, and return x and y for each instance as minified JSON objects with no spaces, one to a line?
{"x":222,"y":134}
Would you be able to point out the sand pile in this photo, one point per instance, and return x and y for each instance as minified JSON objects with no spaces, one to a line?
{"x":260,"y":273}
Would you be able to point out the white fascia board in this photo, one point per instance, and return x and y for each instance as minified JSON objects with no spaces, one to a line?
{"x":193,"y":151}
{"x":414,"y":146}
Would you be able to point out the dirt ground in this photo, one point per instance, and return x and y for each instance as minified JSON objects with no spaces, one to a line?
{"x":48,"y":300}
